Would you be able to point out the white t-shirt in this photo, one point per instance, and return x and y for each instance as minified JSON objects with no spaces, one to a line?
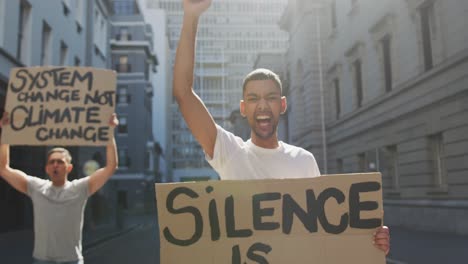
{"x":58,"y":218}
{"x":235,"y":159}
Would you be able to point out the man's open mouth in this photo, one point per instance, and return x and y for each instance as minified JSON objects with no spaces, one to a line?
{"x":263,"y":120}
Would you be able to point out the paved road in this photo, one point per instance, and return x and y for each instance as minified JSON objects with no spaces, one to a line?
{"x":140,"y":246}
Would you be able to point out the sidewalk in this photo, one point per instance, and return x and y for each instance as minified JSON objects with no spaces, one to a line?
{"x":417,"y":247}
{"x":16,"y":247}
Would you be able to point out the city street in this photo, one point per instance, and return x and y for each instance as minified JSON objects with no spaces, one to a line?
{"x":408,"y":247}
{"x":138,"y":246}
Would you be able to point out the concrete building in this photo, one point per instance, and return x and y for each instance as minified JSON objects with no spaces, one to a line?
{"x":230,"y":35}
{"x":30,"y":36}
{"x":133,"y":58}
{"x":302,"y":19}
{"x":162,"y":98}
{"x":396,"y":102}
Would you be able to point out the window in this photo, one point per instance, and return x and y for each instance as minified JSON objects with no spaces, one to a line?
{"x":336,"y":84}
{"x":427,"y":18}
{"x":123,"y":97}
{"x":122,"y":202}
{"x":333,"y":14}
{"x":123,"y":65}
{"x":124,"y":34}
{"x":382,"y":33}
{"x":46,"y":44}
{"x":357,"y":70}
{"x":63,"y":53}
{"x":354,"y":7}
{"x":77,"y":62}
{"x":124,"y":158}
{"x":66,"y":7}
{"x":100,"y":32}
{"x":103,"y":35}
{"x":23,"y":31}
{"x":123,"y":127}
{"x":123,"y":7}
{"x":339,"y":166}
{"x":388,"y":160}
{"x":148,"y":160}
{"x":354,"y":57}
{"x":438,"y":159}
{"x":334,"y":97}
{"x":387,"y":62}
{"x":362,"y":163}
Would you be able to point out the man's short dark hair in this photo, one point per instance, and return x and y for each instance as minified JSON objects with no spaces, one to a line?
{"x":262,"y":74}
{"x":60,"y":150}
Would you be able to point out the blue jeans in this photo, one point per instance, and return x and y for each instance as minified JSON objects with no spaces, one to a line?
{"x":38,"y":261}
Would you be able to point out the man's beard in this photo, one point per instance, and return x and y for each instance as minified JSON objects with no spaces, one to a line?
{"x":257,"y":131}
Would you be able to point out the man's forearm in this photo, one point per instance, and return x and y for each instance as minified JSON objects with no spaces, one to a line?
{"x":185,"y":57}
{"x":112,"y":161}
{"x":4,"y":156}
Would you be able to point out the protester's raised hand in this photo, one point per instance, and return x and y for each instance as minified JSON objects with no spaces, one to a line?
{"x":196,"y":7}
{"x":5,"y":119}
{"x":113,"y":121}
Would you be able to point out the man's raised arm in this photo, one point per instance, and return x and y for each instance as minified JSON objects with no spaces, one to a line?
{"x":100,"y":177}
{"x":16,"y":178}
{"x":195,"y":113}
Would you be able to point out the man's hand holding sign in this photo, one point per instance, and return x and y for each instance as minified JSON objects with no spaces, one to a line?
{"x":328,"y":219}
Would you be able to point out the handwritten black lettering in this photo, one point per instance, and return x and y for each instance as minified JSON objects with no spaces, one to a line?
{"x":322,"y":199}
{"x":22,"y":116}
{"x":63,"y":95}
{"x":51,"y":77}
{"x":101,"y":98}
{"x":87,"y":133}
{"x":184,"y":210}
{"x":231,"y":222}
{"x":213,"y":216}
{"x":258,"y":212}
{"x":356,"y":206}
{"x":308,"y":219}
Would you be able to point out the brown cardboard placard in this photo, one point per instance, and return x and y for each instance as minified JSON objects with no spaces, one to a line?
{"x":328,"y":219}
{"x":59,"y":106}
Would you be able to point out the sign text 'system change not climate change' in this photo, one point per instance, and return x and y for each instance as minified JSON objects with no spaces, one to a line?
{"x":59,"y":106}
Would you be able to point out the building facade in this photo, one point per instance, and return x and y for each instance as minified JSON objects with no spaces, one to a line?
{"x":133,"y":59}
{"x":303,"y":20}
{"x":396,"y":102}
{"x":229,"y":36}
{"x":162,"y":98}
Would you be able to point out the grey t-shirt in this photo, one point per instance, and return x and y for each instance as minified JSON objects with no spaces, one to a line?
{"x":58,"y":218}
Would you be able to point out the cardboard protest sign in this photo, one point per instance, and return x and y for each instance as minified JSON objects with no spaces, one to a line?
{"x":328,"y":219}
{"x":59,"y":106}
